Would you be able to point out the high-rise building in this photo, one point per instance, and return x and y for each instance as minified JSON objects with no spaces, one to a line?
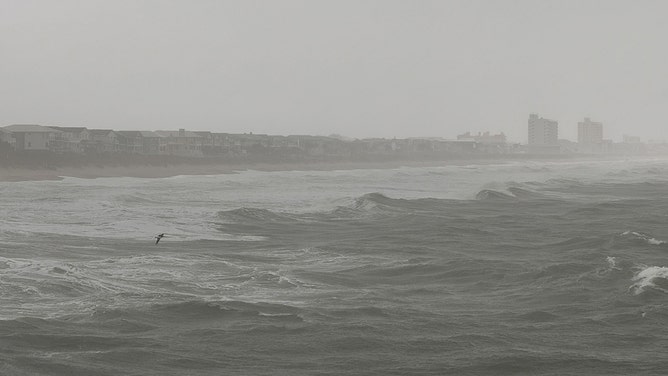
{"x":543,"y":132}
{"x":590,"y":132}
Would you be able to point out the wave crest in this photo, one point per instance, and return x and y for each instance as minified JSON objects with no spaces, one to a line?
{"x":232,"y":309}
{"x":492,"y":195}
{"x":652,"y":277}
{"x":644,"y":237}
{"x":372,"y":200}
{"x":246,"y":214}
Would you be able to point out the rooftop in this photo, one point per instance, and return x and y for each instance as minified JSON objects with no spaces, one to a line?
{"x":29,"y":128}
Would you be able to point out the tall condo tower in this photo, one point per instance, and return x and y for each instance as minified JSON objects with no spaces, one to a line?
{"x":543,"y":132}
{"x":590,"y":132}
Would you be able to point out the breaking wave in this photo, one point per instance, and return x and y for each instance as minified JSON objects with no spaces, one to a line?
{"x":650,"y":278}
{"x":644,"y":237}
{"x":356,"y":272}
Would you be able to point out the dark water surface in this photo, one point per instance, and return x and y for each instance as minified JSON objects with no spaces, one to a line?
{"x":526,"y":268}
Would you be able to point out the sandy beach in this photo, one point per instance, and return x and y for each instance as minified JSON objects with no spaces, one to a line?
{"x":8,"y":174}
{"x":148,"y":171}
{"x":92,"y":172}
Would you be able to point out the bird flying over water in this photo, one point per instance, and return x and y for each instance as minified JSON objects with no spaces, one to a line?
{"x":158,"y":237}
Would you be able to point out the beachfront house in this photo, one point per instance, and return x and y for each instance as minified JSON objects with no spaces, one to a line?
{"x":319,"y":146}
{"x":486,"y":142}
{"x":181,"y":142}
{"x":226,"y":144}
{"x":31,"y":136}
{"x":141,"y":142}
{"x":250,"y":141}
{"x":104,"y":141}
{"x":70,"y":139}
{"x":6,"y":138}
{"x":208,"y":142}
{"x":379,"y":146}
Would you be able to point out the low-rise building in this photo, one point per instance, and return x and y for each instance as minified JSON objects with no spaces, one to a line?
{"x":6,"y":138}
{"x":248,"y":143}
{"x":487,"y":143}
{"x":208,"y":143}
{"x":484,"y":137}
{"x":141,"y":142}
{"x":104,"y":141}
{"x":32,"y":136}
{"x":70,"y":139}
{"x":317,"y":146}
{"x":181,"y":142}
{"x":630,"y":139}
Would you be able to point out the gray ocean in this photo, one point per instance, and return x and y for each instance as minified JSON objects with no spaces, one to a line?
{"x":521,"y":268}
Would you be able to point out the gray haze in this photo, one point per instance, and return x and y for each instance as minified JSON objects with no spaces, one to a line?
{"x":357,"y":68}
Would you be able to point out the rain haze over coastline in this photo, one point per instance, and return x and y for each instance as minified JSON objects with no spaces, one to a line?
{"x":496,"y":206}
{"x":356,"y":68}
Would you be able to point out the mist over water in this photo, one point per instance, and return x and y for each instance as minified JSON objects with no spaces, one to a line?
{"x":522,"y":268}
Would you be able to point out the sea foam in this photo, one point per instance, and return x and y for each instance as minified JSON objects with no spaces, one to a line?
{"x":654,"y":277}
{"x":650,"y":240}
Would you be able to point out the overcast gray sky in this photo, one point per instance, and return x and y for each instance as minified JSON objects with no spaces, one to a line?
{"x":359,"y":68}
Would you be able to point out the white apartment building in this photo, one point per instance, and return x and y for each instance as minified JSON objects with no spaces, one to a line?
{"x":590,"y":132}
{"x":543,"y":132}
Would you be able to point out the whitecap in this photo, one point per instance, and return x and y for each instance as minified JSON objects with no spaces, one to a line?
{"x":612,"y":262}
{"x":648,"y":278}
{"x":653,"y":241}
{"x":647,"y":238}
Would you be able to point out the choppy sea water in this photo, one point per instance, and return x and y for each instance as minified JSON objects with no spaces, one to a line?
{"x":539,"y":268}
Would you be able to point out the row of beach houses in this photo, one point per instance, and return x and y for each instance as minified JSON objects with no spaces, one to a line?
{"x":25,"y":137}
{"x":185,"y":143}
{"x":81,"y":140}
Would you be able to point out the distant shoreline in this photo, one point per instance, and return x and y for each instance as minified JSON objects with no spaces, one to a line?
{"x":17,"y":174}
{"x":147,"y":171}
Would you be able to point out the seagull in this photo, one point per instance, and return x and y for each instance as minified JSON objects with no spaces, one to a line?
{"x":158,"y":237}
